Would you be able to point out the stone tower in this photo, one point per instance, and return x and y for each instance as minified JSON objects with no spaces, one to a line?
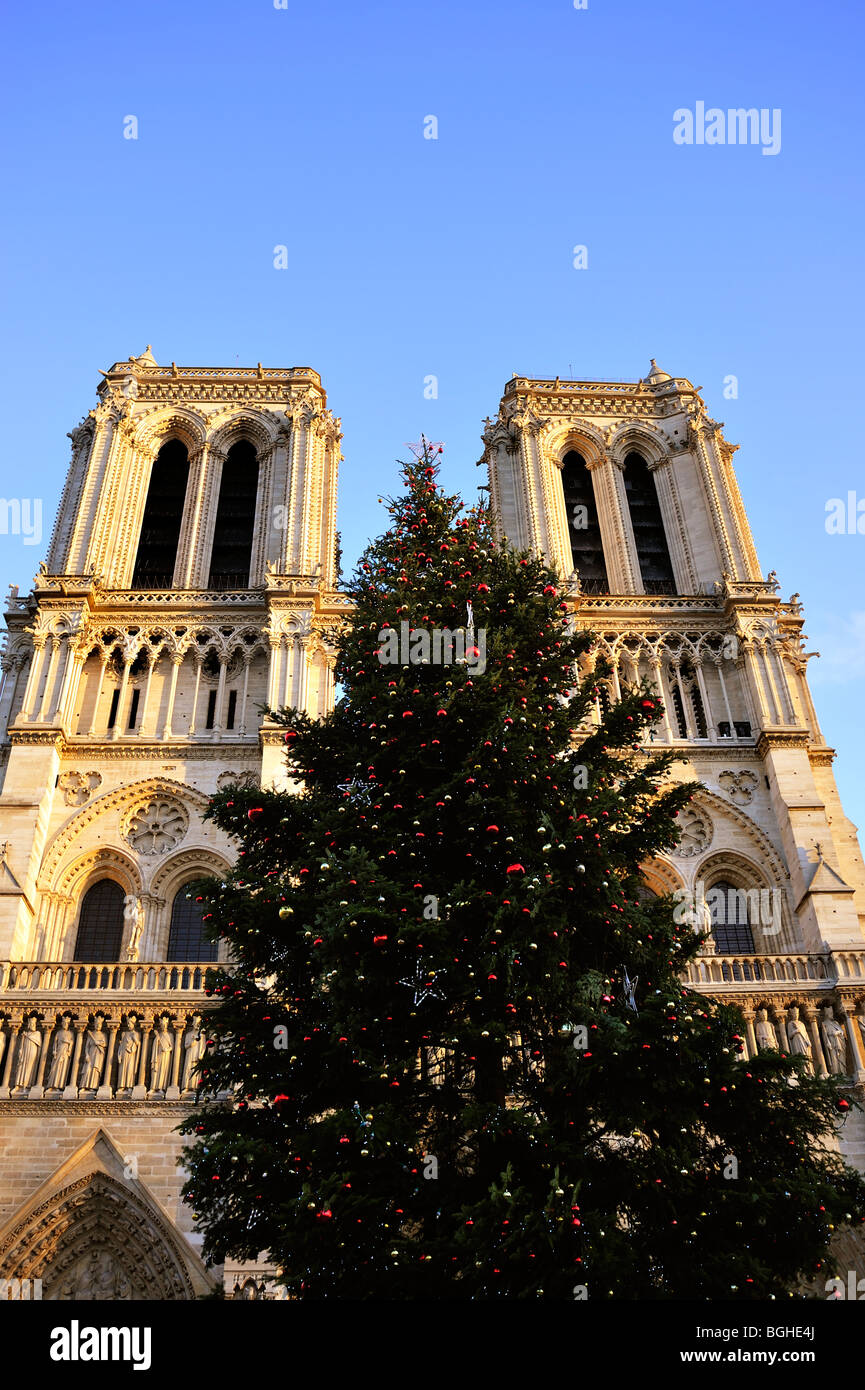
{"x":191,"y":578}
{"x":628,"y":489}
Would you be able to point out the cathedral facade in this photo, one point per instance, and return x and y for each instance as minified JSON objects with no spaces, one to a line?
{"x":192,"y":579}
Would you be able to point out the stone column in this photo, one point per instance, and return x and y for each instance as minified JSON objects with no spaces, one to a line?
{"x":121,"y":699}
{"x":707,"y":704}
{"x":756,"y":683}
{"x":820,"y":1067}
{"x":302,"y":675}
{"x":105,"y":1092}
{"x":198,"y":663}
{"x":99,"y":685}
{"x":748,"y":1014}
{"x":11,"y":667}
{"x":779,"y":1019}
{"x":49,"y":679}
{"x":176,"y":663}
{"x":172,"y":1091}
{"x":152,"y":660}
{"x":74,"y":660}
{"x":686,"y":703}
{"x":655,"y":663}
{"x":723,"y":685}
{"x":14,"y":1030}
{"x":275,"y":643}
{"x":242,"y":723}
{"x":220,"y":699}
{"x":36,"y":665}
{"x":856,"y":1046}
{"x":139,"y":1091}
{"x":766,"y":657}
{"x":71,"y":1090}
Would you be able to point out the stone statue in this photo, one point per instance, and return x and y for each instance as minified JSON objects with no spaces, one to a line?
{"x":133,"y":915}
{"x":128,"y":1047}
{"x":797,"y":1033}
{"x":160,"y":1056}
{"x":193,"y":1045}
{"x":834,"y":1042}
{"x":764,"y":1032}
{"x":95,"y":1044}
{"x":61,"y":1055}
{"x":29,"y":1044}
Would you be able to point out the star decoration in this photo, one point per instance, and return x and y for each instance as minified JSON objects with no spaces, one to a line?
{"x":422,"y":984}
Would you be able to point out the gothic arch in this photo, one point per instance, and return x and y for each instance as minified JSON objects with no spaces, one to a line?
{"x":640,"y":438}
{"x":582,"y":439}
{"x":764,"y":851}
{"x":169,"y":879}
{"x":748,"y":873}
{"x":117,"y":800}
{"x":258,"y":429}
{"x":105,"y":862}
{"x":177,"y":422}
{"x":661,"y":877}
{"x":92,"y":1231}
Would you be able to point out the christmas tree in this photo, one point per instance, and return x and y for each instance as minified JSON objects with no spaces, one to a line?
{"x":453,"y":1057}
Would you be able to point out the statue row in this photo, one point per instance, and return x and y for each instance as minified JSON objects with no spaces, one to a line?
{"x":76,"y":1057}
{"x":831,"y":1034}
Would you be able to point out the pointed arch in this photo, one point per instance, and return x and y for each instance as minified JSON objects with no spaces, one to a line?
{"x":650,"y":537}
{"x":92,"y":1231}
{"x":234,"y":528}
{"x":584,"y":528}
{"x":159,"y":537}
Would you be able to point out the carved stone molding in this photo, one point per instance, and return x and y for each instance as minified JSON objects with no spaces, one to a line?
{"x":739,"y":786}
{"x":156,"y":826}
{"x":78,"y":787}
{"x":696,"y":833}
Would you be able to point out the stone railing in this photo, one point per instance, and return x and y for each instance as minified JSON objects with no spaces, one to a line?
{"x":812,"y":973}
{"x":96,"y":1031}
{"x":47,"y":980}
{"x":812,"y":1005}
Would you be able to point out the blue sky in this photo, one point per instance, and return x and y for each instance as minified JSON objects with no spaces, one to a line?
{"x":304,"y":127}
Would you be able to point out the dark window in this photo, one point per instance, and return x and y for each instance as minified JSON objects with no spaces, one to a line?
{"x":133,"y":708}
{"x":655,"y":566}
{"x":100,"y":923}
{"x":112,"y":713}
{"x":211,"y":709}
{"x":678,"y":709}
{"x":743,"y":728}
{"x":186,"y":938}
{"x":232,"y":707}
{"x":587,"y":551}
{"x":731,"y":926}
{"x":163,"y":513}
{"x":235,"y":518}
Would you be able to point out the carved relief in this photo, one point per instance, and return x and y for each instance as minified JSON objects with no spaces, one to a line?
{"x":250,"y":780}
{"x":739,"y":786}
{"x":78,"y":787}
{"x":157,"y":826}
{"x":696,"y":829}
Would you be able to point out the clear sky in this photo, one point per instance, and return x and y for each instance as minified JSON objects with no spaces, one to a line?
{"x":303,"y":127}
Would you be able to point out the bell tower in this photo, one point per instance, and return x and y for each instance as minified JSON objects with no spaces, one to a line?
{"x":628,"y":490}
{"x":190,"y":580}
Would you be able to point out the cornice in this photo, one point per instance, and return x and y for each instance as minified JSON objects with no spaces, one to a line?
{"x":100,"y":1108}
{"x":779,"y":739}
